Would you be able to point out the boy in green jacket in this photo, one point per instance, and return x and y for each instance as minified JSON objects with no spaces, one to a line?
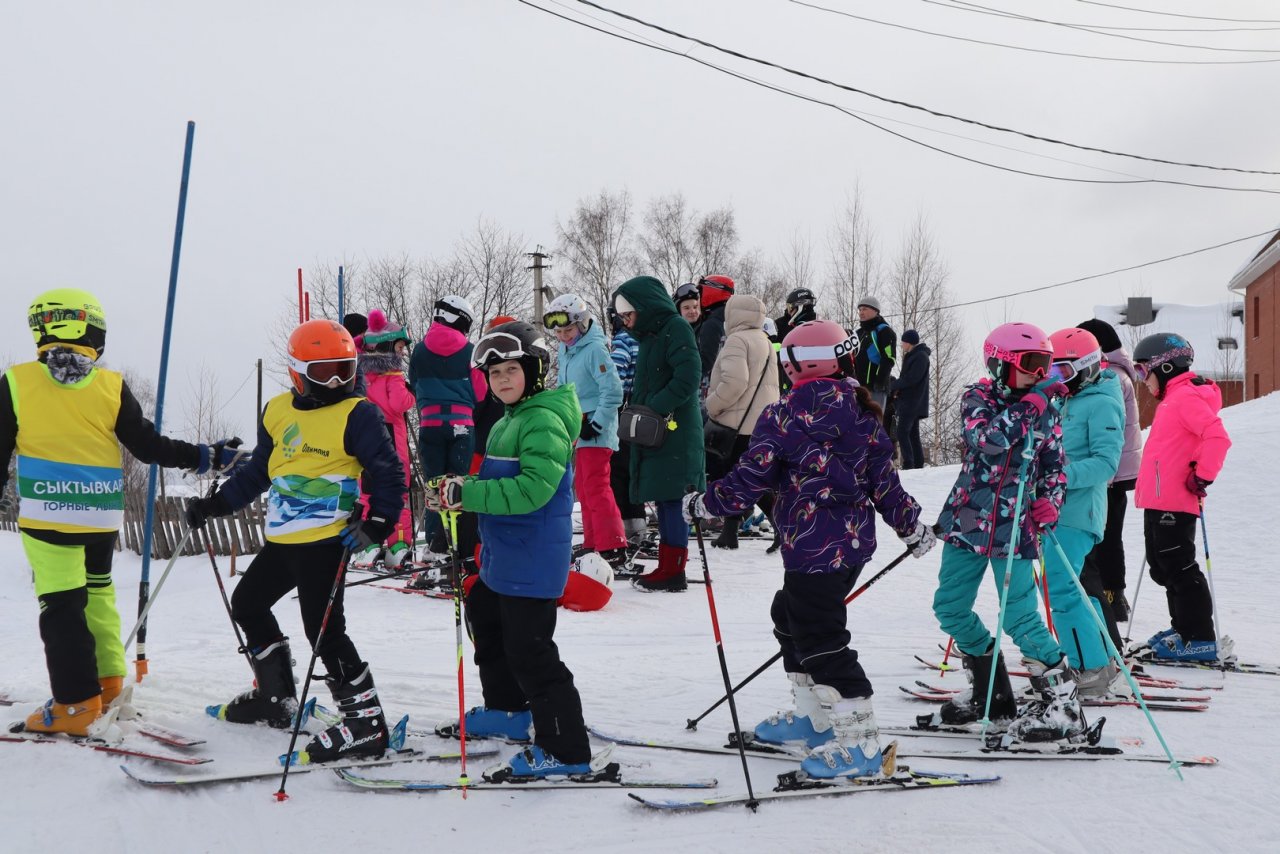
{"x":523,"y":497}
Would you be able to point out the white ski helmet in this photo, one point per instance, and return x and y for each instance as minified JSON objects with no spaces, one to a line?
{"x":566,"y":309}
{"x":588,"y":585}
{"x":454,"y":311}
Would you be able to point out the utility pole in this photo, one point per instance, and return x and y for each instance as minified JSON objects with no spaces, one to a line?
{"x":539,"y":291}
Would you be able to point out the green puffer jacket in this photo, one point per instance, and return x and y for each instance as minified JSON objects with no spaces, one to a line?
{"x":538,"y":433}
{"x":668,"y":372}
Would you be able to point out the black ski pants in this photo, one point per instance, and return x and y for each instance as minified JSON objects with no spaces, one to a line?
{"x":1171,"y":554}
{"x":1107,"y":556}
{"x":809,"y":619}
{"x":520,"y":668}
{"x":311,"y":568}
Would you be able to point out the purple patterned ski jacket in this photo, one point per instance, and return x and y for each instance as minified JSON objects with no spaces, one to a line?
{"x":995,"y":436}
{"x":831,"y":463}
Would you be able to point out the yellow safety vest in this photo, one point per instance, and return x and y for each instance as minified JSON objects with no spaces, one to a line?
{"x":69,"y":471}
{"x":314,"y":481}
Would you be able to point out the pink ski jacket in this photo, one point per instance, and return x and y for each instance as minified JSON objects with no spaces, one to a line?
{"x":1186,"y":429}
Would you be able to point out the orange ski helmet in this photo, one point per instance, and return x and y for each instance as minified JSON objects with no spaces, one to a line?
{"x":322,"y":360}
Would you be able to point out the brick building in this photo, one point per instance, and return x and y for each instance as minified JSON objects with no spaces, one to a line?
{"x":1216,"y":332}
{"x":1256,"y":282}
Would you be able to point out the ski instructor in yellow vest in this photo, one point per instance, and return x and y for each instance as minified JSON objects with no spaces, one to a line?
{"x":66,"y":419}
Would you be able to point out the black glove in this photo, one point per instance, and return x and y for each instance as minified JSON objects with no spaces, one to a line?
{"x":360,"y":534}
{"x":200,"y":510}
{"x":589,"y":429}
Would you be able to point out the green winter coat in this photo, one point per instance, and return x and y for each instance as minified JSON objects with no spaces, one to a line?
{"x":538,"y":433}
{"x":668,"y":373}
{"x":1092,"y":439}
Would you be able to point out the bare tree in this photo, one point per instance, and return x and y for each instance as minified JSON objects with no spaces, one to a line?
{"x":493,"y":262}
{"x":715,"y":243}
{"x":595,"y":248}
{"x":667,"y":240}
{"x":205,"y":412}
{"x":918,"y":294}
{"x":855,"y":260}
{"x":1228,"y":361}
{"x":389,"y":285}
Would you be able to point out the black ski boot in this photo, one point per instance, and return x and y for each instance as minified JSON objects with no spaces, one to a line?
{"x":728,"y":538}
{"x":273,"y":700}
{"x":362,"y":732}
{"x":970,"y":705}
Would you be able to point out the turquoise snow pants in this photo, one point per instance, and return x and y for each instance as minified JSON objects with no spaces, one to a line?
{"x":958,"y":582}
{"x":1077,"y":632}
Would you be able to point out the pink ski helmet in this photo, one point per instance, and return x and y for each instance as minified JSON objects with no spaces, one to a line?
{"x":1020,"y":346}
{"x":818,"y":348}
{"x":1077,"y":357}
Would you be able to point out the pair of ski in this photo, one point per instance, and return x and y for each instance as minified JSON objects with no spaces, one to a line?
{"x":1146,"y":680}
{"x":1156,"y":702}
{"x":1104,"y":749}
{"x":1146,"y":656}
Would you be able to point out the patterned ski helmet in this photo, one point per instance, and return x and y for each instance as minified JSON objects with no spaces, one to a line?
{"x":818,"y":348}
{"x":1164,"y":354}
{"x":68,"y":317}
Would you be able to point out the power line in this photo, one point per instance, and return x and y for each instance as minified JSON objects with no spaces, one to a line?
{"x":989,"y":10}
{"x":917,"y":107}
{"x":1177,"y":14}
{"x":1141,"y":29}
{"x":1030,"y":49}
{"x":1108,"y":273}
{"x":858,"y":117}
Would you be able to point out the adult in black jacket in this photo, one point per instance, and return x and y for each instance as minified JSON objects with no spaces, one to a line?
{"x":911,"y":398}
{"x":877,"y":351}
{"x":716,"y":291}
{"x":801,"y":308}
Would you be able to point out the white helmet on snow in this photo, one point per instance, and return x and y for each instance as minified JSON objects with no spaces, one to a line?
{"x":587,"y":587}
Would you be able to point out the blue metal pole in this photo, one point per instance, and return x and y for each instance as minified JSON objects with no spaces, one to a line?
{"x":342,"y":297}
{"x":144,"y":585}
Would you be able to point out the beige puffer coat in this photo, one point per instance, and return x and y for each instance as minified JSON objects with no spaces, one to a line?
{"x":746,"y":355}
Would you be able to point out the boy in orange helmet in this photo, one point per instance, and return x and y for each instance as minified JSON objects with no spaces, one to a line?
{"x":314,"y":444}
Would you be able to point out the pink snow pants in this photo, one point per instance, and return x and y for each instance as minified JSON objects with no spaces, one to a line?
{"x":601,"y":521}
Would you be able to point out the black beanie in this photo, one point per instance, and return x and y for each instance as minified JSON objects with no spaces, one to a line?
{"x":1108,"y":340}
{"x":356,"y":324}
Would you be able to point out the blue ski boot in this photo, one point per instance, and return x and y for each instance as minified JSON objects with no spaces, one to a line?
{"x":807,"y":726}
{"x":535,"y":763}
{"x":855,"y":749}
{"x":1172,"y":647}
{"x":483,"y":722}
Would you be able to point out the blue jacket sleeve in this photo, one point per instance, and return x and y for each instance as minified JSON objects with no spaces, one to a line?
{"x":250,"y":479}
{"x":366,"y":438}
{"x":609,"y":385}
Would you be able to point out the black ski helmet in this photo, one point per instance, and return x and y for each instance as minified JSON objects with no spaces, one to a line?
{"x":1165,"y":354}
{"x":515,"y":341}
{"x":801,"y":296}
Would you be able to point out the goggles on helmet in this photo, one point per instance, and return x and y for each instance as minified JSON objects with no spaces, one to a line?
{"x":1069,"y":369}
{"x":1142,"y":370}
{"x":720,"y":286}
{"x":847,"y":347}
{"x":556,"y":319}
{"x":497,"y":347}
{"x":330,"y":373}
{"x":688,"y":290}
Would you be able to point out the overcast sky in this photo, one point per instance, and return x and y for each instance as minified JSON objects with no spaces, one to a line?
{"x":332,"y":129}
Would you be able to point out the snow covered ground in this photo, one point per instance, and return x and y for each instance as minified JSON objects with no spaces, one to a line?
{"x":644,"y":665}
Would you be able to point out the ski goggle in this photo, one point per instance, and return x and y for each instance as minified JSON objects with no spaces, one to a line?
{"x":1034,"y":363}
{"x":497,"y":347}
{"x":330,"y":373}
{"x":688,"y":290}
{"x":1142,"y":370}
{"x":822,"y":352}
{"x":556,"y":319}
{"x":717,"y":285}
{"x":1068,"y":370}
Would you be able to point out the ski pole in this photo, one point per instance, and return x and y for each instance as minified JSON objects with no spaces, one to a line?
{"x":399,"y":573}
{"x":1213,"y":596}
{"x":946,"y":654}
{"x":1044,"y":591}
{"x":242,"y":648}
{"x":450,"y":520}
{"x":693,"y":722}
{"x":1115,"y":653}
{"x":1027,"y":453}
{"x":752,"y":803}
{"x":1133,"y":609}
{"x":151,"y":600}
{"x":281,"y":795}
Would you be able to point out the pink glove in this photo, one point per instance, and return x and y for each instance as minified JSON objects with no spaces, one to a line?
{"x":1043,"y":513}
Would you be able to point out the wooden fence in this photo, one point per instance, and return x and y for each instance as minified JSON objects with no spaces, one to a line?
{"x":242,"y":529}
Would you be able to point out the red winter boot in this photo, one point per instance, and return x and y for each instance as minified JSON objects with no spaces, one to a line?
{"x":669,"y":575}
